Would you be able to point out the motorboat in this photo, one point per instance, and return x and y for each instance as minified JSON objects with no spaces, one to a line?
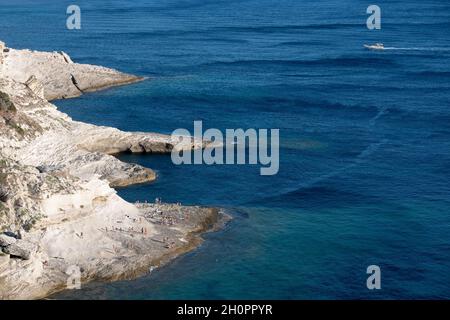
{"x":376,"y":46}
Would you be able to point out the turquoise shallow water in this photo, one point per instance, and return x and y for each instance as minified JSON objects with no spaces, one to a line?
{"x":364,"y":137}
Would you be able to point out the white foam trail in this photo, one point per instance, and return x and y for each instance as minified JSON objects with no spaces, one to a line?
{"x":417,"y":49}
{"x":359,"y":159}
{"x":380,"y":113}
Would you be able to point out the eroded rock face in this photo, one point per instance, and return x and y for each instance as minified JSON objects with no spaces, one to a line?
{"x":35,"y":86}
{"x":55,"y":184}
{"x":6,"y":240}
{"x":4,"y":261}
{"x":2,"y":47}
{"x":16,"y":247}
{"x":57,"y":72}
{"x":6,"y":104}
{"x":21,"y":248}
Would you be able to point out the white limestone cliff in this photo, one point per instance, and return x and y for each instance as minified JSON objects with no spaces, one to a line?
{"x":57,"y":206}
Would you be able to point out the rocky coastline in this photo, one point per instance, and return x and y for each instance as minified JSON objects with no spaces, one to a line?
{"x":58,"y":209}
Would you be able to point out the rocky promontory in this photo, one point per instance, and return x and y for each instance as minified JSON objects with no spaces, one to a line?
{"x":60,"y":76}
{"x":58,"y":211}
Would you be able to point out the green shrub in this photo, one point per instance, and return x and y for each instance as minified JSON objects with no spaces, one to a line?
{"x":6,"y":103}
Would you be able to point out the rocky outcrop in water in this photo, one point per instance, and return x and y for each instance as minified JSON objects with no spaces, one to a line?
{"x":60,"y":77}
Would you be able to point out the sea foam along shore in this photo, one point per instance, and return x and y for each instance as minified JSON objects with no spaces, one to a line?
{"x":58,"y":211}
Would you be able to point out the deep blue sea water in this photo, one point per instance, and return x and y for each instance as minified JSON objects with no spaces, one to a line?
{"x":365,"y":136}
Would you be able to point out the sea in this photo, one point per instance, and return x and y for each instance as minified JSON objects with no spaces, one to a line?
{"x":364,"y":176}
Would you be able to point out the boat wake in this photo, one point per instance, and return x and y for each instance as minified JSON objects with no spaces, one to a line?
{"x":416,"y":49}
{"x":358,"y":160}
{"x":381,"y":47}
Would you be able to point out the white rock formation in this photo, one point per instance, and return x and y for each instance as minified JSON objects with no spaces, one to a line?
{"x":55,"y":185}
{"x":60,"y":76}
